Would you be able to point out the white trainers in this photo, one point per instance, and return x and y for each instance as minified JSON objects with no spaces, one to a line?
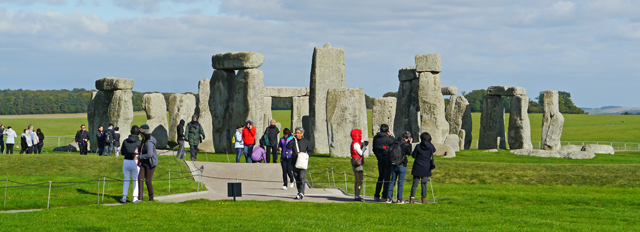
{"x":124,"y":199}
{"x":297,"y":197}
{"x":284,"y":187}
{"x":291,"y":185}
{"x":301,"y":195}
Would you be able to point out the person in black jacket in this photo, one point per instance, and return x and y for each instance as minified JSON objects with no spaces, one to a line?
{"x":399,"y":170}
{"x":272,"y":132}
{"x":82,"y":138}
{"x":116,"y":141}
{"x":130,"y":150}
{"x":100,"y":138}
{"x":181,"y":151}
{"x":381,"y":141}
{"x":40,"y":142}
{"x":299,"y":144}
{"x":422,"y":166}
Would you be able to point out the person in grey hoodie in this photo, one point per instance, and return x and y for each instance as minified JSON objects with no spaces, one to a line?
{"x":148,"y":162}
{"x":11,"y":139}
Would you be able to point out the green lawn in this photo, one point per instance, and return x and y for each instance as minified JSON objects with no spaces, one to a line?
{"x":64,"y":170}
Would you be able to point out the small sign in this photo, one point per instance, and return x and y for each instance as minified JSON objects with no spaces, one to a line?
{"x":234,"y":189}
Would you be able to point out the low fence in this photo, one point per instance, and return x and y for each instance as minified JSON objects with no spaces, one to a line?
{"x":615,"y":145}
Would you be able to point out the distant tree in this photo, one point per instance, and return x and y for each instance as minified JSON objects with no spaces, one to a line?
{"x":627,"y":113}
{"x":475,"y":99}
{"x":369,"y":101}
{"x":390,"y":94}
{"x":565,"y":103}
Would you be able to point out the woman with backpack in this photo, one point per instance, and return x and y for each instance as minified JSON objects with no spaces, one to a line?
{"x":285,"y":158}
{"x":422,"y":166}
{"x":239,"y":145}
{"x":298,"y":146}
{"x":358,"y":146}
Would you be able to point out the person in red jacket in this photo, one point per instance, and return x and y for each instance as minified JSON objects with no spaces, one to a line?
{"x":249,"y":139}
{"x":358,"y":146}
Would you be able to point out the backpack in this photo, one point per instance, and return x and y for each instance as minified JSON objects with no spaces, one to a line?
{"x":395,"y":154}
{"x":265,"y":140}
{"x":108,"y":137}
{"x":233,"y":139}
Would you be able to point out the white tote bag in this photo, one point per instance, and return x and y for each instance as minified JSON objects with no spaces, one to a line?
{"x":303,"y":158}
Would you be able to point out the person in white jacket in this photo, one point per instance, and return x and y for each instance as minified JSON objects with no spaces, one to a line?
{"x":32,"y":140}
{"x":239,"y":144}
{"x":11,"y":139}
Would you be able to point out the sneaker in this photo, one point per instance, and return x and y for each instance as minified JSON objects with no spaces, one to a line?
{"x":412,"y":200}
{"x":297,"y":197}
{"x":284,"y":187}
{"x":359,"y":199}
{"x":389,"y":201}
{"x":400,"y":202}
{"x":123,"y":200}
{"x":301,"y":195}
{"x":134,"y":199}
{"x":137,"y":201}
{"x":291,"y":185}
{"x":376,"y":199}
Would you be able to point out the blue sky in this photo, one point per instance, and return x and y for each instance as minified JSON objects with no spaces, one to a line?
{"x":589,"y":48}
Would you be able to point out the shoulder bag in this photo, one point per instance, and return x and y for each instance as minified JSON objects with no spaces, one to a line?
{"x":303,"y":158}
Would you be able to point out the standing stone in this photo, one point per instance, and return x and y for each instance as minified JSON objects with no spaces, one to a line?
{"x":407,"y":116}
{"x":432,"y":107}
{"x":491,"y":123}
{"x":299,"y":109}
{"x":519,"y":126}
{"x":247,"y":101}
{"x":268,"y":115}
{"x":455,"y":112}
{"x":453,"y":141}
{"x":156,"y":109}
{"x":115,"y":107}
{"x":384,"y":110}
{"x":467,"y":126}
{"x":204,"y":90}
{"x":346,"y":110}
{"x":461,"y":136}
{"x":327,"y":72}
{"x":220,"y":90}
{"x":181,"y":106}
{"x":552,"y":121}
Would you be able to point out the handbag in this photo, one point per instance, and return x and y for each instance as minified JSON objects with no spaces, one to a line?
{"x":303,"y":158}
{"x":356,"y":162}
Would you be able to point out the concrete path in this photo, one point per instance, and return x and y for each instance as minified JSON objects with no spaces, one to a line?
{"x":259,"y":182}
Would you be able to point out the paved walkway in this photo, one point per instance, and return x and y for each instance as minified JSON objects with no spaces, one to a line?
{"x":267,"y":187}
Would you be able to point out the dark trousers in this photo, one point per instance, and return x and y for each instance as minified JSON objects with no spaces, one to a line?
{"x":384,"y":174}
{"x":301,"y":179}
{"x":30,"y":150}
{"x":145,"y":176}
{"x":423,"y":183}
{"x":1,"y":146}
{"x":83,"y":148}
{"x":194,"y":151}
{"x":181,"y":150}
{"x":9,"y":148}
{"x":273,"y":150}
{"x":39,"y":148}
{"x":287,"y":171}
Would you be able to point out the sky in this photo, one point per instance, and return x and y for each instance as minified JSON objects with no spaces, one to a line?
{"x":590,"y":48}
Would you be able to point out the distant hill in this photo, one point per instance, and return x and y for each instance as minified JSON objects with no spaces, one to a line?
{"x":614,"y":110}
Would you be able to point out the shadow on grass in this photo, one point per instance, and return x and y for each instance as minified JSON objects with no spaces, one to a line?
{"x":82,"y":191}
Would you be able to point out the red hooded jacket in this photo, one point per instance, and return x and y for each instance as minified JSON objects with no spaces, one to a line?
{"x":356,"y":135}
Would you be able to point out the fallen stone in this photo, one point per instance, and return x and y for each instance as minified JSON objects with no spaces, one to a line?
{"x":491,"y":123}
{"x":237,"y":60}
{"x":599,"y":149}
{"x":220,"y":89}
{"x":384,"y":112}
{"x":571,"y":148}
{"x":449,"y":90}
{"x":407,"y":74}
{"x":552,"y":121}
{"x":346,"y":110}
{"x":181,"y":106}
{"x":519,"y":126}
{"x":444,"y":150}
{"x":113,"y":84}
{"x":432,"y":109}
{"x":105,"y":107}
{"x":299,"y":109}
{"x":155,"y":107}
{"x":204,"y":92}
{"x":429,"y":63}
{"x":455,"y":113}
{"x":272,"y":91}
{"x":538,"y":153}
{"x":453,"y":141}
{"x":580,"y":155}
{"x":491,"y":150}
{"x":506,"y":91}
{"x":327,"y":72}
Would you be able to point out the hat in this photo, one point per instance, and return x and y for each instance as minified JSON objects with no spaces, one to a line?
{"x":250,"y":122}
{"x":144,"y":129}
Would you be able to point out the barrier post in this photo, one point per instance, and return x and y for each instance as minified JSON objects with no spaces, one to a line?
{"x":328,"y":179}
{"x":104,"y":184}
{"x":364,"y":190}
{"x":334,"y":178}
{"x":310,"y":177}
{"x":228,"y":161}
{"x":169,"y":181}
{"x":99,"y":191}
{"x":345,"y":182}
{"x":207,"y":155}
{"x":49,"y":197}
{"x":6,"y":183}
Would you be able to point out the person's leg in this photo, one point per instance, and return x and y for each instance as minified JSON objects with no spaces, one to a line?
{"x":283,"y":164}
{"x":387,"y":178}
{"x":414,"y":186}
{"x":289,"y":167}
{"x":401,"y":175}
{"x":193,"y":150}
{"x":275,"y":153}
{"x":9,"y":148}
{"x":1,"y":146}
{"x":84,"y":148}
{"x":30,"y":150}
{"x":126,"y":169}
{"x":380,"y":180}
{"x":180,"y":153}
{"x":249,"y":153}
{"x":424,"y":188}
{"x":134,"y":178}
{"x":303,"y":180}
{"x":267,"y":154}
{"x":107,"y":150}
{"x":296,"y":174}
{"x":141,"y":174}
{"x":247,"y":156}
{"x":40,"y":148}
{"x":238,"y":154}
{"x":392,"y":183}
{"x":149,"y":181}
{"x":117,"y":151}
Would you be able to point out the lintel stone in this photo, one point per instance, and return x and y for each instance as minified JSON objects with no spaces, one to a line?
{"x":237,"y":60}
{"x":114,"y":83}
{"x":429,"y":63}
{"x":278,"y":91}
{"x":506,"y":91}
{"x":449,"y":90}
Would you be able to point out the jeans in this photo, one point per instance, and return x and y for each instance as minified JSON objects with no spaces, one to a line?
{"x":145,"y":176}
{"x":39,"y":148}
{"x":130,"y":170}
{"x":286,"y":171}
{"x":9,"y":148}
{"x":384,"y":173}
{"x":2,"y":146}
{"x":248,"y":150}
{"x":116,"y":151}
{"x":397,"y":173}
{"x":238,"y":154}
{"x":100,"y":151}
{"x":301,"y":179}
{"x":193,"y":148}
{"x":83,"y":148}
{"x":423,"y":183}
{"x":108,"y":150}
{"x":181,"y":150}
{"x":274,"y":152}
{"x":30,"y":150}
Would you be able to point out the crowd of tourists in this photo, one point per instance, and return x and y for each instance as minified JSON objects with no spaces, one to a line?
{"x":31,"y":142}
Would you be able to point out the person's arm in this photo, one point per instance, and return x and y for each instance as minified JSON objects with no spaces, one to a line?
{"x":309,"y":151}
{"x":202,"y":133}
{"x":414,"y":153}
{"x":78,"y":137}
{"x":186,"y":132}
{"x":290,"y":145}
{"x":146,"y":154}
{"x":358,"y":149}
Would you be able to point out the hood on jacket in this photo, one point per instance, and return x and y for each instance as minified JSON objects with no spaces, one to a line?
{"x":181,"y":122}
{"x":272,"y":126}
{"x":423,"y":145}
{"x":152,"y":140}
{"x":133,"y":138}
{"x":356,"y":135}
{"x":380,"y":134}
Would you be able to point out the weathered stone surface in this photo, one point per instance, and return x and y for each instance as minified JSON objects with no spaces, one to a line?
{"x":181,"y":106}
{"x":449,"y":90}
{"x":247,"y":101}
{"x":599,"y":149}
{"x":429,"y":63}
{"x":444,"y":150}
{"x":220,"y":90}
{"x":306,"y":123}
{"x":299,"y":109}
{"x":156,"y":109}
{"x":204,"y":92}
{"x":580,"y":155}
{"x":552,"y":121}
{"x":115,"y":107}
{"x":453,"y":141}
{"x":114,"y":83}
{"x":327,"y":72}
{"x":407,"y":74}
{"x":491,"y":151}
{"x":272,"y":91}
{"x":455,"y":113}
{"x":346,"y":110}
{"x":467,"y":126}
{"x":266,"y":119}
{"x":519,"y":126}
{"x":384,"y":112}
{"x":571,"y":148}
{"x":461,"y":135}
{"x":538,"y":153}
{"x":506,"y":91}
{"x":432,"y":109}
{"x":237,"y":60}
{"x":407,"y":116}
{"x":491,"y":123}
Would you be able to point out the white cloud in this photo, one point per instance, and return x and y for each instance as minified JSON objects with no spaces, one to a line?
{"x":31,"y":2}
